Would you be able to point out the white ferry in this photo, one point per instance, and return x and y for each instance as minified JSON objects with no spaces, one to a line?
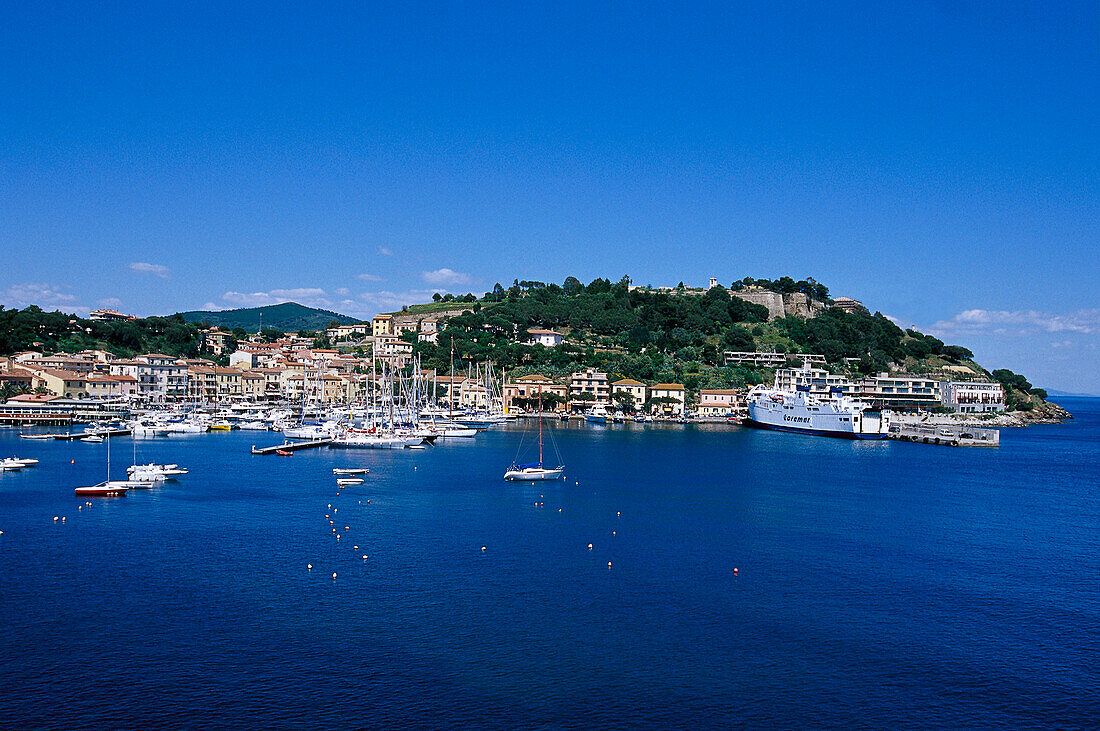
{"x":801,"y":411}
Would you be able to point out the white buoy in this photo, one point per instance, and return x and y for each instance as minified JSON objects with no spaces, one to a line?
{"x":334,"y":574}
{"x":608,"y":564}
{"x":309,"y":566}
{"x":62,"y":518}
{"x":364,"y":557}
{"x":619,"y":514}
{"x":483,"y":548}
{"x":55,"y":518}
{"x":589,"y":546}
{"x":355,"y":548}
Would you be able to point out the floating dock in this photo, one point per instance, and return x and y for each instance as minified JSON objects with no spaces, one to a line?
{"x":290,"y":446}
{"x":106,"y":434}
{"x":951,"y":435}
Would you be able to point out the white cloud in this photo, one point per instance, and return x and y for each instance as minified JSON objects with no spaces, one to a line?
{"x":210,"y":306}
{"x":369,"y":278}
{"x":384,"y":251}
{"x":308,"y":296}
{"x":32,"y":293}
{"x":342,"y":291}
{"x":157,"y":270}
{"x":1017,"y":322}
{"x":446,"y":276}
{"x":110,"y":302}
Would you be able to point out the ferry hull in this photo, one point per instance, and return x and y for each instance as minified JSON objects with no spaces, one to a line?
{"x":750,"y":422}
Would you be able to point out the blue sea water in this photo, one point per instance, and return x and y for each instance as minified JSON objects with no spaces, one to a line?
{"x":878,"y":584}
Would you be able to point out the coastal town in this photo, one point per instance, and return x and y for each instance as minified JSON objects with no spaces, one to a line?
{"x":95,"y":383}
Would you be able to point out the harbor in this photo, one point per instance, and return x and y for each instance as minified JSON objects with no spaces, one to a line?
{"x":256,"y":543}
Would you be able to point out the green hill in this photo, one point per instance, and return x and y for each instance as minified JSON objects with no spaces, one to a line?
{"x":288,"y":316}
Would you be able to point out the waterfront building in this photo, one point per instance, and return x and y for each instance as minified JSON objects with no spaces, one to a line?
{"x":972,"y":396}
{"x":720,"y":401}
{"x":674,"y":391}
{"x":589,"y":381}
{"x":635,"y":389}
{"x":898,"y":392}
{"x":100,"y":385}
{"x":67,"y":384}
{"x":253,"y":386}
{"x":527,"y":389}
{"x":817,"y":381}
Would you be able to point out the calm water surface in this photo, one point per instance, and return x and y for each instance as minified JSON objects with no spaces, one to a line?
{"x":878,"y":584}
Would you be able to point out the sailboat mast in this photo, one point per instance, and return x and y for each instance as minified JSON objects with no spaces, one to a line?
{"x":540,"y":426}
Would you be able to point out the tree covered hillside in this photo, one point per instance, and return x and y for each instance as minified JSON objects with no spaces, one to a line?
{"x":674,"y":336}
{"x":53,"y":332}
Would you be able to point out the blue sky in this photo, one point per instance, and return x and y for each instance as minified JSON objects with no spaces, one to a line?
{"x":939,"y":161}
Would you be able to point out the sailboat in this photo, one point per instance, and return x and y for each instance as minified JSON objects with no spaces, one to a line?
{"x":109,"y":486}
{"x":536,"y":471}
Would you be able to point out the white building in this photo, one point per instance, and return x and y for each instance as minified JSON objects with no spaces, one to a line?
{"x":972,"y":397}
{"x":546,"y":338}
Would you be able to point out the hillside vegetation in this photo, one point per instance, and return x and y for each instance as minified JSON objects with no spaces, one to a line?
{"x":57,"y":332}
{"x":289,"y":316}
{"x":670,"y":336}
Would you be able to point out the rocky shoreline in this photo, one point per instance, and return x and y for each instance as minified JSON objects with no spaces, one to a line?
{"x":1045,"y":413}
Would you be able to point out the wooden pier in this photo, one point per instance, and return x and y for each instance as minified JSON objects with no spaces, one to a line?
{"x":290,"y":446}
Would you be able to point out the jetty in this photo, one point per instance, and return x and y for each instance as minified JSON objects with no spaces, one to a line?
{"x":105,"y":433}
{"x":290,"y":446}
{"x":951,"y":435}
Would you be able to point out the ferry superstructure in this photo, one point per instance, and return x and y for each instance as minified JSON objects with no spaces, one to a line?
{"x":828,"y":412}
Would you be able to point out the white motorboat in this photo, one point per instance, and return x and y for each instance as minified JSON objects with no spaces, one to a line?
{"x":357,"y":440}
{"x":345,"y":481}
{"x":253,"y":426}
{"x":92,"y":439}
{"x":350,"y":471}
{"x":25,"y":461}
{"x":10,"y":465}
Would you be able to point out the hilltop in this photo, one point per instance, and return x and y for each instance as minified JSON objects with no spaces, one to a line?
{"x":288,"y":316}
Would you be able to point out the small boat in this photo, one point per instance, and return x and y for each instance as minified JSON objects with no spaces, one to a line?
{"x":350,"y":471}
{"x":10,"y":465}
{"x":415,"y":446}
{"x":36,"y":436}
{"x":284,"y":452}
{"x":93,"y":439}
{"x":535,"y":471}
{"x":221,"y":426}
{"x":25,"y":461}
{"x":345,"y":481}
